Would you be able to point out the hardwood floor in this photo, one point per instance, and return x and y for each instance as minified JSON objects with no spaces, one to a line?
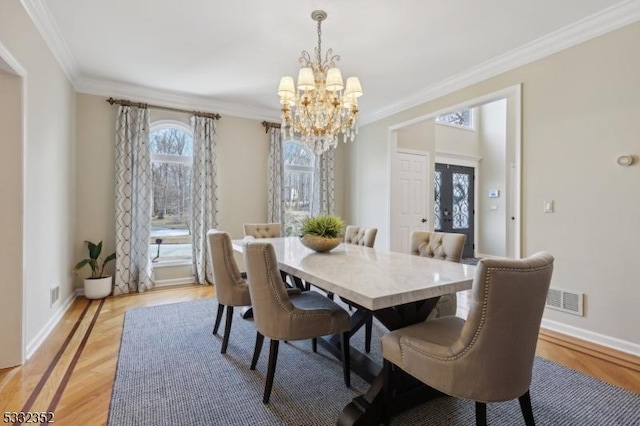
{"x":72,"y":373}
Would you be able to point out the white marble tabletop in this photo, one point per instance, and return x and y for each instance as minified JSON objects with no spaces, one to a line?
{"x":374,"y":279}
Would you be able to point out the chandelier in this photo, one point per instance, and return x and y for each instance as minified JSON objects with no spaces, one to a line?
{"x":320,"y":108}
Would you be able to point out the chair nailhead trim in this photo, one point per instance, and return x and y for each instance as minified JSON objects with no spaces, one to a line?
{"x":482,"y":318}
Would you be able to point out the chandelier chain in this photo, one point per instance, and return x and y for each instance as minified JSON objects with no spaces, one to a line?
{"x":319,"y":51}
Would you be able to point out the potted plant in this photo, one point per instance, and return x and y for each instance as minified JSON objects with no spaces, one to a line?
{"x":322,"y":233}
{"x":98,"y":285}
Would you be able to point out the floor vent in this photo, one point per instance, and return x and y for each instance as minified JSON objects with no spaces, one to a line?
{"x":565,"y":301}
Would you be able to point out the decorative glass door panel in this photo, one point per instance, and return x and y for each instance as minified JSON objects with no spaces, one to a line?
{"x":460,"y":205}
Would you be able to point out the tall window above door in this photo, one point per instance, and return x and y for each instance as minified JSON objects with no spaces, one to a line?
{"x":462,"y":119}
{"x":298,"y":185}
{"x":171,"y":164}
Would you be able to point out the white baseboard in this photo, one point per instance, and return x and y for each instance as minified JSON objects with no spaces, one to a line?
{"x":590,"y":336}
{"x":175,"y":281}
{"x":488,"y":256}
{"x":34,"y":344}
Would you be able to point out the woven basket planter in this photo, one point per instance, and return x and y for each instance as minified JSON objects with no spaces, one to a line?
{"x":320,"y":244}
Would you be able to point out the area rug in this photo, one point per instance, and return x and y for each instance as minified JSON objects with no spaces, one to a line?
{"x":170,"y":372}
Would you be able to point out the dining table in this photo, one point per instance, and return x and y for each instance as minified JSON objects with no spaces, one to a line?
{"x":398,"y":289}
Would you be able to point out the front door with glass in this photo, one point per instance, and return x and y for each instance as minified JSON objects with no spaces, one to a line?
{"x":454,"y":202}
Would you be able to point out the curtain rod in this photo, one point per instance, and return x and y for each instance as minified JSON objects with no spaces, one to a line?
{"x":268,"y":126}
{"x":125,"y":102}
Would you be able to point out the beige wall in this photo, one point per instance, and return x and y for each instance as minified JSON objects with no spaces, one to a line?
{"x":420,"y":137}
{"x":579,"y":113}
{"x":453,"y":140}
{"x":491,"y":212}
{"x":11,"y":219}
{"x":242,"y":147}
{"x":95,"y":182}
{"x":48,"y":158}
{"x":242,"y":150}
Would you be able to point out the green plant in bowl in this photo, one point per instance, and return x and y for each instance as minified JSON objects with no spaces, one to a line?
{"x":322,"y":233}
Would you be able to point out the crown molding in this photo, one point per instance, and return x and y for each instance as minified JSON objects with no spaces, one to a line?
{"x":168,"y":98}
{"x":42,"y":19}
{"x":593,"y":26}
{"x":9,"y":63}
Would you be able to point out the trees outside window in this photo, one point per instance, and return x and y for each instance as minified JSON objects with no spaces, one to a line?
{"x":171,"y":164}
{"x":298,"y":185}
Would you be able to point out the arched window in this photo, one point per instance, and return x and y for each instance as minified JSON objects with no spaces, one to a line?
{"x":171,"y":163}
{"x":298,"y":185}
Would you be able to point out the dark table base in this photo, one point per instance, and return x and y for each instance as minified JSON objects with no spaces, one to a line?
{"x":368,"y":409}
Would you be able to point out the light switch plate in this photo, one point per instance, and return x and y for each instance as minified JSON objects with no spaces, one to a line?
{"x":548,"y":206}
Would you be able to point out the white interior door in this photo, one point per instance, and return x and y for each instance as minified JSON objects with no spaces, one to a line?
{"x":409,"y":198}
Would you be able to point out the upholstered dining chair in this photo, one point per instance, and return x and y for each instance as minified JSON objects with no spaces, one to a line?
{"x":439,"y":245}
{"x":262,"y":230}
{"x":231,"y":288}
{"x":361,"y":236}
{"x":230,"y":285}
{"x":280,"y":316}
{"x":271,"y":230}
{"x":489,"y":357}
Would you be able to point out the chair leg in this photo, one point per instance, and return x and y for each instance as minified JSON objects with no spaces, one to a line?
{"x":314,"y":344}
{"x":481,"y":414}
{"x":218,"y":318}
{"x":271,"y":370}
{"x":527,"y":411}
{"x":256,"y":350}
{"x":367,"y":336}
{"x":388,"y":391}
{"x":346,"y":358}
{"x":227,"y":330}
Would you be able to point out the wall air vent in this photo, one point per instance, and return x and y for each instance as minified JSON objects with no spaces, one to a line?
{"x":54,"y":295}
{"x":565,"y":301}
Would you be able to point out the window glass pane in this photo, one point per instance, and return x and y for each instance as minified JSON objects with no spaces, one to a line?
{"x":171,"y":210}
{"x":297,"y":155}
{"x":459,"y":118}
{"x":437,"y":202}
{"x":172,"y":141}
{"x":298,"y":186}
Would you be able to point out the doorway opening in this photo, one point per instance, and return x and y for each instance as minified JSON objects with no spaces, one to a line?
{"x":493,"y":222}
{"x":13,"y":301}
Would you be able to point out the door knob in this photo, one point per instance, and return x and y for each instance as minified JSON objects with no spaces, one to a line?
{"x":423,"y":220}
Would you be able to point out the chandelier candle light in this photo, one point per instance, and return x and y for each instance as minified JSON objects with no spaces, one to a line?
{"x":320,"y":107}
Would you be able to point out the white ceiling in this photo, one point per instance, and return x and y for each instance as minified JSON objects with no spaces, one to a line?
{"x":229,"y":56}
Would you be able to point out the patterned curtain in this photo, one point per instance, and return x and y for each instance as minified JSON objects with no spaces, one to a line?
{"x":133,"y":201}
{"x":204,"y":188}
{"x":323,"y":201}
{"x":275,"y":178}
